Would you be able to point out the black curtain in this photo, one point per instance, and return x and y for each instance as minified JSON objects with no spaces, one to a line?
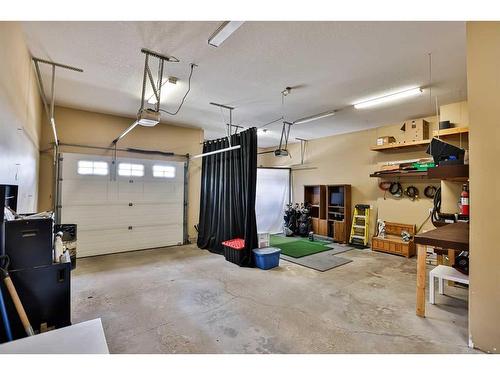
{"x":228,"y":189}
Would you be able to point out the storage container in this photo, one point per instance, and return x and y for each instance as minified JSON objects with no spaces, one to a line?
{"x":267,"y":257}
{"x":263,"y":240}
{"x":233,"y":250}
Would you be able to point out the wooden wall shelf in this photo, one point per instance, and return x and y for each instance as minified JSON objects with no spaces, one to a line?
{"x":450,"y":131}
{"x":459,"y":173}
{"x":402,"y":146}
{"x":412,"y":174}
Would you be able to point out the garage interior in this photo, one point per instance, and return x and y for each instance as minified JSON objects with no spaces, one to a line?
{"x":249,"y":187}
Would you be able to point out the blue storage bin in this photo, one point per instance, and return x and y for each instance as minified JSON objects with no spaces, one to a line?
{"x":267,"y":257}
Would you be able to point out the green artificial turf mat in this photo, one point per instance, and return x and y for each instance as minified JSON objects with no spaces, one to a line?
{"x":298,"y":247}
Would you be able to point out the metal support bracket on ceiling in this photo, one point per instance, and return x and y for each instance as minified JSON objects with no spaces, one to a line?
{"x":49,"y":105}
{"x":229,"y":129}
{"x":155,"y":85}
{"x":303,"y":144}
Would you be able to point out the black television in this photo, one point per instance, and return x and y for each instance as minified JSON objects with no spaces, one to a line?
{"x":337,"y":198}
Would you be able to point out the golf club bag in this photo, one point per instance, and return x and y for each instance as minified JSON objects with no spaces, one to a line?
{"x":304,"y":221}
{"x":290,"y":225}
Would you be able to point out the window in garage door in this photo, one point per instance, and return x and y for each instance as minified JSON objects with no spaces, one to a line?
{"x":136,"y":210}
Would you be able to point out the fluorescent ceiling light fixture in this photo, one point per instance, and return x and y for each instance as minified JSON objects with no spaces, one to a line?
{"x":389,"y":98}
{"x":223,"y":32}
{"x":314,"y":117}
{"x":167,"y":85}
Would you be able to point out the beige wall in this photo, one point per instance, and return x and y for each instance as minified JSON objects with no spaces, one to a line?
{"x":20,"y":117}
{"x":89,"y":128}
{"x":483,"y":81}
{"x":347,"y":158}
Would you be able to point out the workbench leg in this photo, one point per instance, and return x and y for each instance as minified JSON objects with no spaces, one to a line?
{"x":421,"y":275}
{"x":451,"y":262}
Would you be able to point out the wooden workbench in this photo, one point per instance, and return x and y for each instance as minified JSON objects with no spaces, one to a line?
{"x":454,"y":237}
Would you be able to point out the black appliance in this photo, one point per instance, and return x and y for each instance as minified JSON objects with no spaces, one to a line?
{"x":28,"y":243}
{"x":45,"y":294}
{"x":8,"y":198}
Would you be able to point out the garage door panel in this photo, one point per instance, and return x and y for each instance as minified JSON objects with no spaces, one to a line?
{"x":112,"y":216}
{"x":119,"y":215}
{"x":95,"y":190}
{"x":97,"y":242}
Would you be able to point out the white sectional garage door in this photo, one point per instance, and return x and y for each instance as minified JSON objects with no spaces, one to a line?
{"x":126,"y":212}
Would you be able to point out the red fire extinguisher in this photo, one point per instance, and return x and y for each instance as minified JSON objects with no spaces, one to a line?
{"x":464,"y":200}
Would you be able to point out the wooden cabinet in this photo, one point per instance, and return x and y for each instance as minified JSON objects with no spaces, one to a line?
{"x":339,"y":231}
{"x":315,"y":225}
{"x":323,"y":227}
{"x":330,"y":210}
{"x":338,"y":199}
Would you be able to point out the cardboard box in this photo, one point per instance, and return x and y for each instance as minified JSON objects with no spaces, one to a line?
{"x":385,"y":140}
{"x":415,"y":130}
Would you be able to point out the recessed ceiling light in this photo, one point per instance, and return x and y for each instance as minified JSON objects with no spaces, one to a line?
{"x":389,"y":98}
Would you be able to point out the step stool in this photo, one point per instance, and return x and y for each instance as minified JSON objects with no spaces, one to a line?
{"x":443,"y":273}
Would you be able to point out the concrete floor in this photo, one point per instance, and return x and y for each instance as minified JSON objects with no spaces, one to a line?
{"x":186,"y":300}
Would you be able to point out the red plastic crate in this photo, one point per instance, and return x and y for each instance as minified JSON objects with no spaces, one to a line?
{"x":232,"y":250}
{"x":236,"y":243}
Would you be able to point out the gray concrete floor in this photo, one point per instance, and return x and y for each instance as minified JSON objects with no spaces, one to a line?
{"x":186,"y":300}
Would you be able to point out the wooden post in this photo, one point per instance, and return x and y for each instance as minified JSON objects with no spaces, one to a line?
{"x":421,"y":276}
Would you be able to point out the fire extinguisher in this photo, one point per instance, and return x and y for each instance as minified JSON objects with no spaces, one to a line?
{"x":464,"y":200}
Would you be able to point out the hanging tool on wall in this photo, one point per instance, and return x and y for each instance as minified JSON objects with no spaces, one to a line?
{"x":411,"y":192}
{"x":4,"y":261}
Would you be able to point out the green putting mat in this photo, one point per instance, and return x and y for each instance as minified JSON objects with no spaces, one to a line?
{"x":298,"y":247}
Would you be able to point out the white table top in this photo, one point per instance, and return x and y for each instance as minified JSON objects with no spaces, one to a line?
{"x":82,"y":338}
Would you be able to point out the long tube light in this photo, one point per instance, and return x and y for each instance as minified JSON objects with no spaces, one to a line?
{"x":389,"y":98}
{"x":223,"y":32}
{"x":314,"y":117}
{"x":216,"y":152}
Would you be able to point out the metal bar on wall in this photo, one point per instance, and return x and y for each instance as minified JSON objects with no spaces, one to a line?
{"x":58,"y":188}
{"x":186,"y":202}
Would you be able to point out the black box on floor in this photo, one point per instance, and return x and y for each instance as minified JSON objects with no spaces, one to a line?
{"x":28,"y":243}
{"x":45,"y":293}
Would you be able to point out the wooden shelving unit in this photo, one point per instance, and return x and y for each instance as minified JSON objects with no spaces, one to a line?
{"x":459,"y":173}
{"x":330,"y":210}
{"x":450,"y":132}
{"x":420,"y":144}
{"x":447,"y":172}
{"x":402,"y":146}
{"x":338,"y":199}
{"x":409,"y":174}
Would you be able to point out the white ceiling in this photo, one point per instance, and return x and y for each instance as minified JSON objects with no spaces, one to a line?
{"x":331,"y":64}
